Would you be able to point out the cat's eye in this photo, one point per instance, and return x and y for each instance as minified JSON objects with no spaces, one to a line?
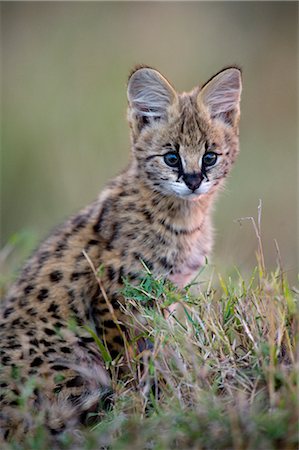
{"x":172,"y":159}
{"x":209,"y":159}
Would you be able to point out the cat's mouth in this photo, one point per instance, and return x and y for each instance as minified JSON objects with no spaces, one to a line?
{"x":181,"y":190}
{"x":193,"y":194}
{"x":189,"y":195}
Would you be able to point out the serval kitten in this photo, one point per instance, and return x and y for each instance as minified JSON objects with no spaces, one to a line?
{"x":157,"y":211}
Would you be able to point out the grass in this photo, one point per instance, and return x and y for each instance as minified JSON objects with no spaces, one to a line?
{"x":222,"y":372}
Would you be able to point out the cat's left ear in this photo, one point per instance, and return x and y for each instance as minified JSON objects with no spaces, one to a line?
{"x":150,"y":95}
{"x":221,"y":96}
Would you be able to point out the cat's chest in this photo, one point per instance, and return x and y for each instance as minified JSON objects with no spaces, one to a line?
{"x":186,"y":269}
{"x":187,"y":256}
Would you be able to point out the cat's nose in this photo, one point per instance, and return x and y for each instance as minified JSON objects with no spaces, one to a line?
{"x":193,"y":180}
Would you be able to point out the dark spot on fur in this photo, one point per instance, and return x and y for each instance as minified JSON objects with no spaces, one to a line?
{"x":133,"y":276}
{"x":56,"y":276}
{"x":121,"y":275}
{"x":180,"y":231}
{"x":140,"y":258}
{"x":14,"y":403}
{"x":7,"y":312}
{"x":43,"y":319}
{"x":60,"y":247}
{"x":111,"y":273}
{"x":131,"y":235}
{"x":130,"y":207}
{"x":30,"y":333}
{"x":36,"y":362}
{"x":115,"y":302}
{"x":32,"y":312}
{"x":16,"y":322}
{"x":15,"y":345}
{"x":43,"y":294}
{"x":164,"y":263}
{"x":116,"y":227}
{"x":76,"y":314}
{"x":93,"y":242}
{"x":87,"y":339}
{"x":56,"y":316}
{"x":34,"y":342}
{"x":79,"y":222}
{"x":48,"y":352}
{"x":45,"y":343}
{"x":23,"y":302}
{"x":71,"y":294}
{"x":148,"y":215}
{"x":80,"y":257}
{"x":49,"y":331}
{"x":6,"y":360}
{"x":65,"y":349}
{"x":53,"y":308}
{"x":75,"y":382}
{"x":118,"y":340}
{"x":29,"y":288}
{"x":59,"y":367}
{"x":43,"y":256}
{"x":109,"y":324}
{"x":6,"y":435}
{"x":104,"y":211}
{"x":76,"y":275}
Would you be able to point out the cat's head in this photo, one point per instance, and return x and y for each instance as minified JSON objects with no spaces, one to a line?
{"x":184,"y":144}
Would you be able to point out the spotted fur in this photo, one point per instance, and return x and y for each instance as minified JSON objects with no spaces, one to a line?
{"x":152,"y":213}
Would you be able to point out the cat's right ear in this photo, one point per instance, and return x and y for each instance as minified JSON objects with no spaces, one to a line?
{"x":221,"y":96}
{"x":149,"y":96}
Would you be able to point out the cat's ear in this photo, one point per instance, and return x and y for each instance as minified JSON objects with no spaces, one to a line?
{"x":149,"y":95}
{"x":221,"y":96}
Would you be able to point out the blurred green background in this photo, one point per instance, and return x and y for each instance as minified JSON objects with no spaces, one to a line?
{"x":64,"y":132}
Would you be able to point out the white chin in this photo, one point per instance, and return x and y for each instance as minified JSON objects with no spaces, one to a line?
{"x":188,"y":195}
{"x":192,"y":196}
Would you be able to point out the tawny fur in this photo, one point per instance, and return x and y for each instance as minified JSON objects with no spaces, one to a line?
{"x":146,"y":214}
